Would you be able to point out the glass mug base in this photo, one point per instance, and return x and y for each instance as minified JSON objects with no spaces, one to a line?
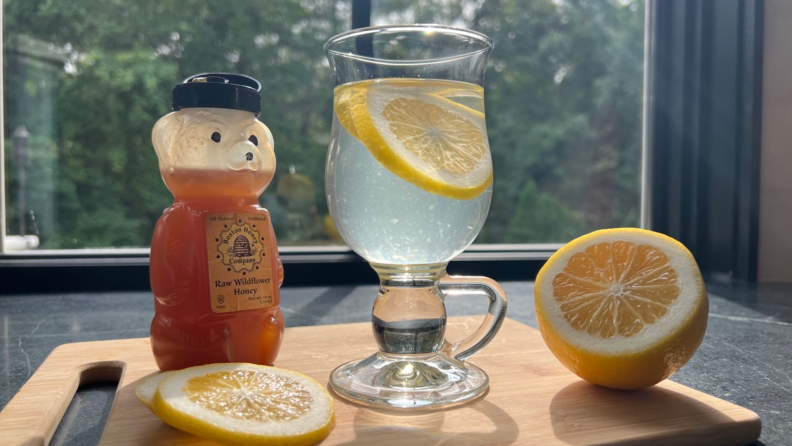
{"x":426,"y":381}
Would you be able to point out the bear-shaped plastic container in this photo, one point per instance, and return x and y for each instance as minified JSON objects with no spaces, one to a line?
{"x":215,"y":269}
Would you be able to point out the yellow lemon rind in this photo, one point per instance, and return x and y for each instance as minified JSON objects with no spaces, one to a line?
{"x":147,"y":387}
{"x":636,"y":370}
{"x":629,"y":370}
{"x":456,"y":106}
{"x":371,"y":138}
{"x":342,"y":101}
{"x":212,"y":431}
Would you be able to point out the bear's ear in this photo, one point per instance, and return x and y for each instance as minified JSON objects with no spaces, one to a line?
{"x":266,"y":131}
{"x":164,"y":131}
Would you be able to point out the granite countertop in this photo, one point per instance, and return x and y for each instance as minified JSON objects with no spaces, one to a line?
{"x":745,"y":357}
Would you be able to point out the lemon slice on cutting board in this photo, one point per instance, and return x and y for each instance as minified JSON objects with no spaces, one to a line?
{"x":147,"y":387}
{"x":246,"y":404}
{"x":623,"y":308}
{"x":428,"y":140}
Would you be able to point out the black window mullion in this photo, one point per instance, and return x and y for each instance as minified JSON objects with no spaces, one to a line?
{"x":746,"y":232}
{"x":706,"y":119}
{"x":361,"y":13}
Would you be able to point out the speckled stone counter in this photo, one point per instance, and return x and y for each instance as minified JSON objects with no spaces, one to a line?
{"x":745,"y":358}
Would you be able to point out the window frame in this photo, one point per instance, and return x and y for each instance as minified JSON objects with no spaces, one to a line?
{"x":128,"y":269}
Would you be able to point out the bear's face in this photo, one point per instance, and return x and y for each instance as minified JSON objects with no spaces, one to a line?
{"x":215,"y":139}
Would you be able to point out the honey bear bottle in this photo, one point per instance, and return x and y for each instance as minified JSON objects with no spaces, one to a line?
{"x":215,"y":269}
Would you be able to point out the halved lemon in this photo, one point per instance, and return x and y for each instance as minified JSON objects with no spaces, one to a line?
{"x":426,"y":139}
{"x":623,"y":308}
{"x":147,"y":387}
{"x":246,"y":404}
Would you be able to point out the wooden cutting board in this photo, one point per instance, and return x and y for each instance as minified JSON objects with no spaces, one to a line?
{"x":532,"y":399}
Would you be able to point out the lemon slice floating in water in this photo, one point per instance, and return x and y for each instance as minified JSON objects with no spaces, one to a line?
{"x":622,"y":308}
{"x":426,"y":139}
{"x":342,"y":102}
{"x":246,"y":404}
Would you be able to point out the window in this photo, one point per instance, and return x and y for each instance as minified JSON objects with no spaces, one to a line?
{"x":563,"y":97}
{"x":85,"y":80}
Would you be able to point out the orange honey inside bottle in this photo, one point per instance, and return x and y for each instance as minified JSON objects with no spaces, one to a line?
{"x":215,"y":270}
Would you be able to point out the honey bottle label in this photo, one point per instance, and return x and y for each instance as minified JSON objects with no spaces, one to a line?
{"x":240,"y":270}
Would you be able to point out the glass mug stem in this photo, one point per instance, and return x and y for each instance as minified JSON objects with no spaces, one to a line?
{"x":416,"y":367}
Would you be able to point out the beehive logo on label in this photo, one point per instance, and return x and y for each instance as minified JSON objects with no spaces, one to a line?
{"x":240,"y":247}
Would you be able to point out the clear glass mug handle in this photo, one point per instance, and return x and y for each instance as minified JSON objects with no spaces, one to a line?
{"x":466,"y":285}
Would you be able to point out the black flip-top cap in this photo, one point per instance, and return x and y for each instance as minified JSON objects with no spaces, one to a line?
{"x":218,"y":90}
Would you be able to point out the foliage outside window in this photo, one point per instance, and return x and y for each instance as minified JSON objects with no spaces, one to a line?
{"x":88,"y":78}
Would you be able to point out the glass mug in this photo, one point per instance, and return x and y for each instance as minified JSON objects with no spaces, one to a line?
{"x":409,"y":185}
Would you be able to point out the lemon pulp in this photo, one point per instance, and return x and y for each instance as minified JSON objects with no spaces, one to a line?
{"x":616,"y":288}
{"x":249,"y":395}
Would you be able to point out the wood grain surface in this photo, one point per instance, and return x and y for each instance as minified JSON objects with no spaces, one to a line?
{"x":532,"y":399}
